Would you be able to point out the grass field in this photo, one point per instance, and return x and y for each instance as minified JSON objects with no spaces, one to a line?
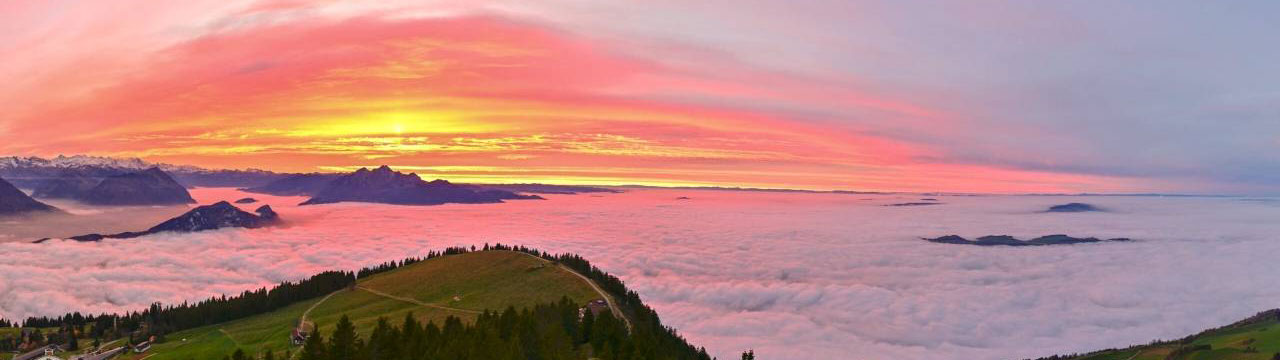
{"x":1255,"y":339}
{"x":458,"y":285}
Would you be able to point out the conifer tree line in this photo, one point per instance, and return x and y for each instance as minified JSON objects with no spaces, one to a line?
{"x":647,"y":338}
{"x":159,"y":320}
{"x":547,"y":331}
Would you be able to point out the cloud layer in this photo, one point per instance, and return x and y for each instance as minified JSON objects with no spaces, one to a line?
{"x":794,"y":276}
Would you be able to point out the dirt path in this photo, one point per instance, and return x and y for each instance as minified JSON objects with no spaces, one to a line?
{"x":613,"y":306}
{"x":229,"y":337}
{"x":303,"y":320}
{"x":416,"y":301}
{"x":103,"y":346}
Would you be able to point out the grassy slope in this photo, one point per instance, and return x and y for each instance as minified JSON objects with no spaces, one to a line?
{"x":1227,"y":343}
{"x":469,"y":283}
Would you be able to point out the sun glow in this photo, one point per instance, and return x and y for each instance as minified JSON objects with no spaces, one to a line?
{"x":468,"y":93}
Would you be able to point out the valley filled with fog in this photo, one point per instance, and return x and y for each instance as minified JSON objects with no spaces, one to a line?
{"x":791,"y":275}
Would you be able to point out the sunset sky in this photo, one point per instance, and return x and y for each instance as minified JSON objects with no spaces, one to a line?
{"x":981,"y":96}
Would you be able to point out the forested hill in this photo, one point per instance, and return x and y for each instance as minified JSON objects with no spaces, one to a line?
{"x":1254,"y":338}
{"x":463,"y":303}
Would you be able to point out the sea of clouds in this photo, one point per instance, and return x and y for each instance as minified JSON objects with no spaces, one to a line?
{"x":791,"y":275}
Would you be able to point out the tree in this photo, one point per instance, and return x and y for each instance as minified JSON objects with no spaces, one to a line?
{"x":314,"y":348}
{"x":342,"y":345}
{"x":73,"y":343}
{"x":588,"y":321}
{"x":749,"y":355}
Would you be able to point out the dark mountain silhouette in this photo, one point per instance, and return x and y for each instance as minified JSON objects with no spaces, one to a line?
{"x":14,"y":201}
{"x":547,"y":189}
{"x":217,"y":216}
{"x":914,"y":204}
{"x":1073,"y":207}
{"x":296,"y":185}
{"x":208,"y":217}
{"x":68,"y":184}
{"x":312,"y":184}
{"x":386,"y":186}
{"x":149,"y":187}
{"x":1006,"y":240}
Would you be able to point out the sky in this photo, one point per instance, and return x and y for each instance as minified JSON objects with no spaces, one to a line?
{"x":974,"y":96}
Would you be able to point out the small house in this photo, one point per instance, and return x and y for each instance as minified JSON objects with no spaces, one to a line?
{"x":299,"y":336}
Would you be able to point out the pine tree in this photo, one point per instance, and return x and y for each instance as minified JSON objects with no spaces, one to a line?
{"x":588,"y":321}
{"x":314,"y":348}
{"x":73,"y":343}
{"x":342,"y":345}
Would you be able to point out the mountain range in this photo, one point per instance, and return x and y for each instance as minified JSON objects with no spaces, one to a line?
{"x":386,"y":186}
{"x":65,"y":171}
{"x":30,"y":172}
{"x":147,"y":187}
{"x":296,"y":185}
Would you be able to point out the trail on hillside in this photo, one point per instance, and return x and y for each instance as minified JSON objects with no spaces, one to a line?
{"x":229,"y":337}
{"x":416,"y":301}
{"x":608,"y":299}
{"x":303,"y":319}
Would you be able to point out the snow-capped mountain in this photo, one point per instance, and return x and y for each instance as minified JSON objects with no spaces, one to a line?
{"x":31,"y":172}
{"x":76,"y":161}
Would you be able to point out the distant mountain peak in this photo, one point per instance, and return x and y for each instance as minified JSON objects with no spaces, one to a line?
{"x":218,"y":215}
{"x":387,"y":186}
{"x":266,"y":213}
{"x":14,"y":201}
{"x":149,"y":187}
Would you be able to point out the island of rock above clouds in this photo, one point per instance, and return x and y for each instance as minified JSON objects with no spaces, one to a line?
{"x":1073,"y":207}
{"x":1006,"y":240}
{"x":16,"y":202}
{"x":147,"y":187}
{"x":208,"y":217}
{"x":386,"y":186}
{"x":295,"y":185}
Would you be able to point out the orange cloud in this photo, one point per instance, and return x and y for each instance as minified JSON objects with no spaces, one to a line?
{"x":486,"y":99}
